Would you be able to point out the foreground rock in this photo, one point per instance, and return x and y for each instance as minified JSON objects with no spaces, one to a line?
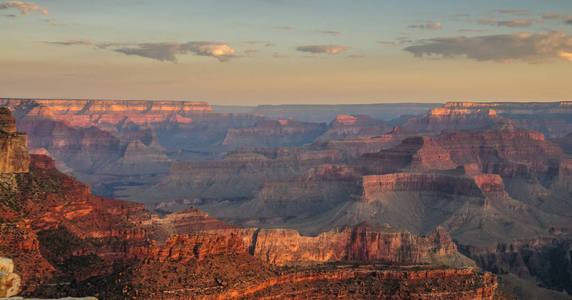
{"x":9,"y":281}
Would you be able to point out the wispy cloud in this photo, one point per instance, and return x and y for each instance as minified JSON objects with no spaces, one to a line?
{"x":528,"y":47}
{"x":328,"y":32}
{"x":558,"y":16}
{"x":510,"y":23}
{"x":521,"y":12}
{"x":24,"y":7}
{"x":71,"y":43}
{"x":327,"y":49}
{"x":159,"y":51}
{"x":431,"y":26}
{"x":284,"y":27}
{"x":170,"y":51}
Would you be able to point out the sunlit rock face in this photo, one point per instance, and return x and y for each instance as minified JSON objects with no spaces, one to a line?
{"x":9,"y":282}
{"x":13,"y":153}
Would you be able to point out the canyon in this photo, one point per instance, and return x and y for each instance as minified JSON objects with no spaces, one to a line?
{"x":270,"y":206}
{"x":64,"y":241}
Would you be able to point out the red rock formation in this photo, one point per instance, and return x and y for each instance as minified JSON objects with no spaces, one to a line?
{"x":507,"y":151}
{"x":87,"y":113}
{"x":360,"y":126}
{"x":371,"y":282}
{"x":453,"y":116}
{"x":13,"y":154}
{"x":413,"y":154}
{"x":360,"y":243}
{"x":415,"y":182}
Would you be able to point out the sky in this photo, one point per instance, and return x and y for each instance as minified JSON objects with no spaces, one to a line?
{"x":250,"y":52}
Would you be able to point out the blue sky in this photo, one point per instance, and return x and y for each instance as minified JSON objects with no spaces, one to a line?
{"x":287,"y":51}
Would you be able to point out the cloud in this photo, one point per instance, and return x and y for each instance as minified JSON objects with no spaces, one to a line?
{"x":11,"y":16}
{"x":105,"y":45}
{"x":284,"y":27}
{"x":170,"y":51}
{"x":514,"y":11}
{"x":470,"y":30}
{"x":567,"y":18}
{"x":329,"y":32}
{"x":511,"y":23}
{"x":71,"y":43}
{"x":527,"y":47}
{"x":328,"y":49}
{"x":555,"y":15}
{"x":24,"y":7}
{"x":432,"y":26}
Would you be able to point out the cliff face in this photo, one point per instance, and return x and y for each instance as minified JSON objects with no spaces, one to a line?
{"x":360,"y":243}
{"x":552,"y":119}
{"x":414,"y":154}
{"x":453,"y":118}
{"x":412,"y":182}
{"x":547,"y":260}
{"x":13,"y":153}
{"x":115,"y":144}
{"x":87,"y":113}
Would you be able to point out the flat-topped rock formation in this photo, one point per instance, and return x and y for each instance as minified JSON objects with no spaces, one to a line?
{"x":414,"y":154}
{"x":269,"y":133}
{"x":98,"y":106}
{"x":350,"y":126}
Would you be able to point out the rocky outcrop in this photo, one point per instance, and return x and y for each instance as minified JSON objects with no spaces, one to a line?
{"x":87,"y":113}
{"x":370,"y":282}
{"x":349,"y":126}
{"x":415,"y":182}
{"x":413,"y":154}
{"x":9,"y":282}
{"x":547,"y":260}
{"x":453,"y":116}
{"x":363,"y":242}
{"x":550,"y":118}
{"x":13,"y":153}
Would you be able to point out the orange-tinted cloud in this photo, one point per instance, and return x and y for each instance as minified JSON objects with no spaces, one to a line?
{"x":431,"y":26}
{"x":170,"y":51}
{"x":24,"y":7}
